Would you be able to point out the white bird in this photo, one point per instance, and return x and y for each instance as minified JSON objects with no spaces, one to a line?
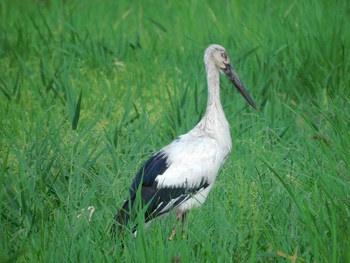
{"x":180,"y":176}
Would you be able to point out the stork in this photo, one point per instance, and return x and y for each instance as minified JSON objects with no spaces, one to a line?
{"x":180,"y":176}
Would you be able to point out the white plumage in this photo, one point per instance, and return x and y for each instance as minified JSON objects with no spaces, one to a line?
{"x":181,"y":175}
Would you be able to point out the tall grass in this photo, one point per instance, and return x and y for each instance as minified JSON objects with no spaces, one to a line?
{"x":89,"y":90}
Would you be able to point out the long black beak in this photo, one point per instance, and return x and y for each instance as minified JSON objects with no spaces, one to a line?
{"x":233,"y":77}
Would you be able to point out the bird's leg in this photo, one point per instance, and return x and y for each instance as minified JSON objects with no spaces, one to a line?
{"x":183,"y":225}
{"x":173,"y":232}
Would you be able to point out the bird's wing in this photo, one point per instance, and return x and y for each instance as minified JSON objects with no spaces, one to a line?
{"x":173,"y":175}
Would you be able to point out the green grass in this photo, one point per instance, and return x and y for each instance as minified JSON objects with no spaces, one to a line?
{"x":88,"y":91}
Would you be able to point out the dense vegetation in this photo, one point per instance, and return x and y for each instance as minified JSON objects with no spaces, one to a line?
{"x":89,"y":90}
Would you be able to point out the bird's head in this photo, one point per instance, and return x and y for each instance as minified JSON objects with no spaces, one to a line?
{"x":219,"y":56}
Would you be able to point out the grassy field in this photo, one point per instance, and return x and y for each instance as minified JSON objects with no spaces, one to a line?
{"x":89,"y":90}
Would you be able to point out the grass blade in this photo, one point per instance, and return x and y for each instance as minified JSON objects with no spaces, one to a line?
{"x":76,"y":116}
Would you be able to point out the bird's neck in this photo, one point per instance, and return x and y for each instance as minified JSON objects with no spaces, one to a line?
{"x":214,"y":118}
{"x":214,"y":121}
{"x":214,"y":106}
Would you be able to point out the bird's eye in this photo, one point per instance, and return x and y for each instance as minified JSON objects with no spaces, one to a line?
{"x":224,"y":55}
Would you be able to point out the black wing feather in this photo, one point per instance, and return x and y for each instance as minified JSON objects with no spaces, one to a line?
{"x":154,"y":166}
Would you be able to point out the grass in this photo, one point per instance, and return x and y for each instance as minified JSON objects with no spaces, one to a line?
{"x":88,"y":91}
